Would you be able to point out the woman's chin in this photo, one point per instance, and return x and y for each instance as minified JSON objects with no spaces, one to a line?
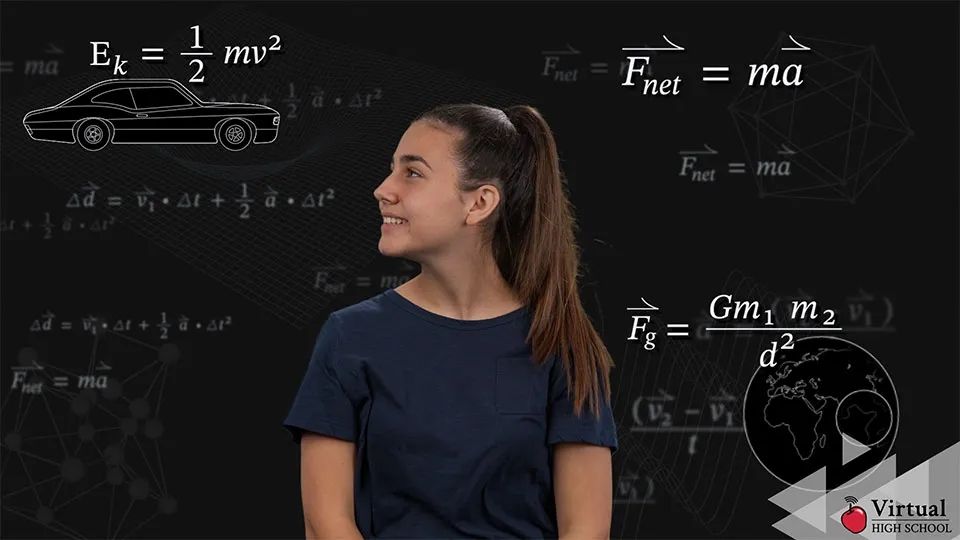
{"x":389,"y":249}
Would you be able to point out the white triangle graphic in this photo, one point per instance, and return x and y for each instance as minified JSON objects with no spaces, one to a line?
{"x":852,"y":450}
{"x":815,"y":513}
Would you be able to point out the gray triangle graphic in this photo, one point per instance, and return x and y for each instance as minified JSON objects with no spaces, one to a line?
{"x":852,"y":449}
{"x":803,"y":492}
{"x":797,"y":529}
{"x":862,"y":487}
{"x":810,"y":510}
{"x":815,"y":513}
{"x":945,"y":484}
{"x":870,"y":479}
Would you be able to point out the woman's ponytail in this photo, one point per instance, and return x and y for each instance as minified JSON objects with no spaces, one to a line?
{"x":546,"y":264}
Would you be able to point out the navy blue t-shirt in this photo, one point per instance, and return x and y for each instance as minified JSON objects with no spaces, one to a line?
{"x":452,"y":419}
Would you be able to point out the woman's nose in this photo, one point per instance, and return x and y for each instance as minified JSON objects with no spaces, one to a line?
{"x":385,"y":191}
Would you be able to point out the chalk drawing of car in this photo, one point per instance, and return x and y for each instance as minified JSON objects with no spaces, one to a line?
{"x":150,"y":111}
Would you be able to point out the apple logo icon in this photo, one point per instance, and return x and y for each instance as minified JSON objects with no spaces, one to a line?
{"x":855,"y":518}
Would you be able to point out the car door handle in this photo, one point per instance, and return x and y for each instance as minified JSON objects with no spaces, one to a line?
{"x":142,"y":115}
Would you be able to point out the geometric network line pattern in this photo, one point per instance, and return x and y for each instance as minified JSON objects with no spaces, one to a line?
{"x":82,"y":448}
{"x":840,"y":126}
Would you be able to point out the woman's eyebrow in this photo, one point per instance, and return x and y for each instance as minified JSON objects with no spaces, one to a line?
{"x":412,"y":158}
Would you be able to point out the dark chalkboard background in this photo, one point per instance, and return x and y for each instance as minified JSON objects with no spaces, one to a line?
{"x":189,"y":443}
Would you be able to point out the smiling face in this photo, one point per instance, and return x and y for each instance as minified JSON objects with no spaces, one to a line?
{"x":423,"y":193}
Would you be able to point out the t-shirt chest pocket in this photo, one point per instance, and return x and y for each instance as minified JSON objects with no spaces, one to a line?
{"x":521,"y":386}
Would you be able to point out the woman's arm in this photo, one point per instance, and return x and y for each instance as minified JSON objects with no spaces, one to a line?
{"x":326,"y":480}
{"x":583,"y":488}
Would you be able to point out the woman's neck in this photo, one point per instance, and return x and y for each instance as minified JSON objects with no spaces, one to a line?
{"x":465,"y":288}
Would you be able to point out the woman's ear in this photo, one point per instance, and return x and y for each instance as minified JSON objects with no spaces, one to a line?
{"x":483,"y":201}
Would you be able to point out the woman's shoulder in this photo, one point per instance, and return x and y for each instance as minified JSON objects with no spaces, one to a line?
{"x":361,"y":314}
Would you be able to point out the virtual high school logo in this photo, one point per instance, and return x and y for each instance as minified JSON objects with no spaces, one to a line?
{"x":823,"y":421}
{"x":898,"y":518}
{"x":854,"y":519}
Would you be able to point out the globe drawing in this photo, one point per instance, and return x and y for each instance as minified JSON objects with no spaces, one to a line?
{"x":864,"y":418}
{"x":827,"y":403}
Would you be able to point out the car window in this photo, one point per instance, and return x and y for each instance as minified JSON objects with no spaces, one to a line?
{"x":120,"y":96}
{"x":158,"y":96}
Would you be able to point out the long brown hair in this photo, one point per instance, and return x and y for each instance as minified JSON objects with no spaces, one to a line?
{"x":533,"y":234}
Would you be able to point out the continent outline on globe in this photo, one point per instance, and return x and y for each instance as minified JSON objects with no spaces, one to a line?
{"x":800,"y":412}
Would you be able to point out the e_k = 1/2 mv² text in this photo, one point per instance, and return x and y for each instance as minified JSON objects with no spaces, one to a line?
{"x":233,"y":55}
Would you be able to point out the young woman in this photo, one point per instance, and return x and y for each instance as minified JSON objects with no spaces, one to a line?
{"x":473,"y":400}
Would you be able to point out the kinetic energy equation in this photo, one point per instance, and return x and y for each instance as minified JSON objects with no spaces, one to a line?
{"x":233,"y":55}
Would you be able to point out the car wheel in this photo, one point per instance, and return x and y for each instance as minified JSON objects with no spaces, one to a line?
{"x":93,"y":134}
{"x":235,"y":135}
